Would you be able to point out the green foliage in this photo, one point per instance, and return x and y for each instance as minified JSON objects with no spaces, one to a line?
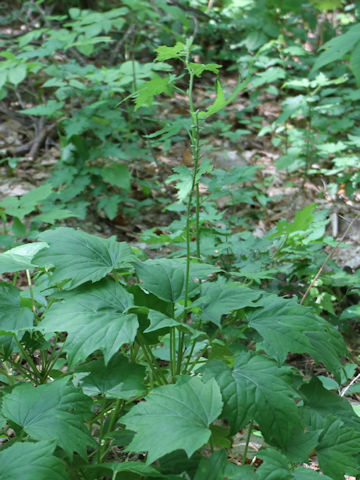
{"x":116,"y":363}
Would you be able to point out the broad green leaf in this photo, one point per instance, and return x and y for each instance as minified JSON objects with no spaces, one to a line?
{"x":164,"y":278}
{"x":302,"y":222}
{"x":118,"y":175}
{"x":355,"y":63}
{"x":80,"y":257}
{"x":151,"y":88}
{"x":270,"y":75}
{"x":327,"y":4}
{"x":219,"y":298}
{"x":212,"y":468}
{"x":31,"y":461}
{"x":19,"y":207}
{"x":53,"y":215}
{"x":286,"y":326}
{"x":184,"y":181}
{"x":303,"y":473}
{"x":95,"y":318}
{"x":321,"y":403}
{"x":275,"y":466}
{"x":166,"y":53}
{"x":159,"y":320}
{"x":118,"y":379}
{"x":13,"y":317}
{"x":54,"y":412}
{"x":220,"y":102}
{"x":290,"y":106}
{"x":17,"y":74}
{"x":174,"y":417}
{"x":338,"y":449}
{"x":199,"y":68}
{"x":338,"y":47}
{"x":19,"y":258}
{"x":257,"y":389}
{"x":52,"y":108}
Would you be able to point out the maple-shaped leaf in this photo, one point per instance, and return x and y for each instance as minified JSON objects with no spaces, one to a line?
{"x":257,"y":389}
{"x":153,"y":87}
{"x":338,"y":449}
{"x":31,"y":461}
{"x":174,"y":417}
{"x":275,"y":466}
{"x":79,"y":257}
{"x":95,"y":318}
{"x":166,"y":53}
{"x":54,"y":412}
{"x":219,"y":298}
{"x":286,"y":326}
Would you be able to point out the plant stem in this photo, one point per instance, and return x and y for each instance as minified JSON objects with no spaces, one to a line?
{"x":250,"y":429}
{"x":151,"y":360}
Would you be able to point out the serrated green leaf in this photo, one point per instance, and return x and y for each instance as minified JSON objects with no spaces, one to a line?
{"x":17,"y":74}
{"x":54,"y":412}
{"x":166,"y":53}
{"x":52,"y":108}
{"x":286,"y":326}
{"x":212,"y":468}
{"x":137,"y":468}
{"x":337,"y":47}
{"x":199,"y":68}
{"x":177,"y":416}
{"x":153,"y":87}
{"x":219,"y":298}
{"x":80,"y":257}
{"x":95,"y":318}
{"x":338,"y":449}
{"x":118,"y":175}
{"x":19,"y":207}
{"x":302,"y":222}
{"x":159,"y":320}
{"x":118,"y":379}
{"x":53,"y":215}
{"x":19,"y":258}
{"x":321,"y":403}
{"x":184,"y":180}
{"x":31,"y":461}
{"x":257,"y":389}
{"x":275,"y":466}
{"x":13,"y":317}
{"x":164,"y":278}
{"x":303,"y":473}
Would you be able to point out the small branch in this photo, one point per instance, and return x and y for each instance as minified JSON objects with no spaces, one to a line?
{"x":354,"y":380}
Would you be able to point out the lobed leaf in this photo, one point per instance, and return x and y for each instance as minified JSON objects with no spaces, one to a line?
{"x":53,"y":412}
{"x":79,"y":257}
{"x":177,"y":416}
{"x":95,"y":318}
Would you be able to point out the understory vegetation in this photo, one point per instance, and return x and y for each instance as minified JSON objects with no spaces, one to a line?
{"x":179,"y":269}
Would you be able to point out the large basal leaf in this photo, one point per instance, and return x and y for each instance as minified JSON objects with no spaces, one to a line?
{"x":303,"y":473}
{"x":164,"y":278}
{"x":19,"y":258}
{"x":80,"y":257}
{"x":137,"y":468}
{"x":118,"y":379}
{"x":286,"y":326}
{"x":257,"y":389}
{"x":31,"y":461}
{"x":339,"y":428}
{"x":13,"y":317}
{"x":275,"y":466}
{"x":219,"y":298}
{"x":95,"y":318}
{"x":217,"y":467}
{"x":338,"y":449}
{"x":174,"y":417}
{"x":53,"y":412}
